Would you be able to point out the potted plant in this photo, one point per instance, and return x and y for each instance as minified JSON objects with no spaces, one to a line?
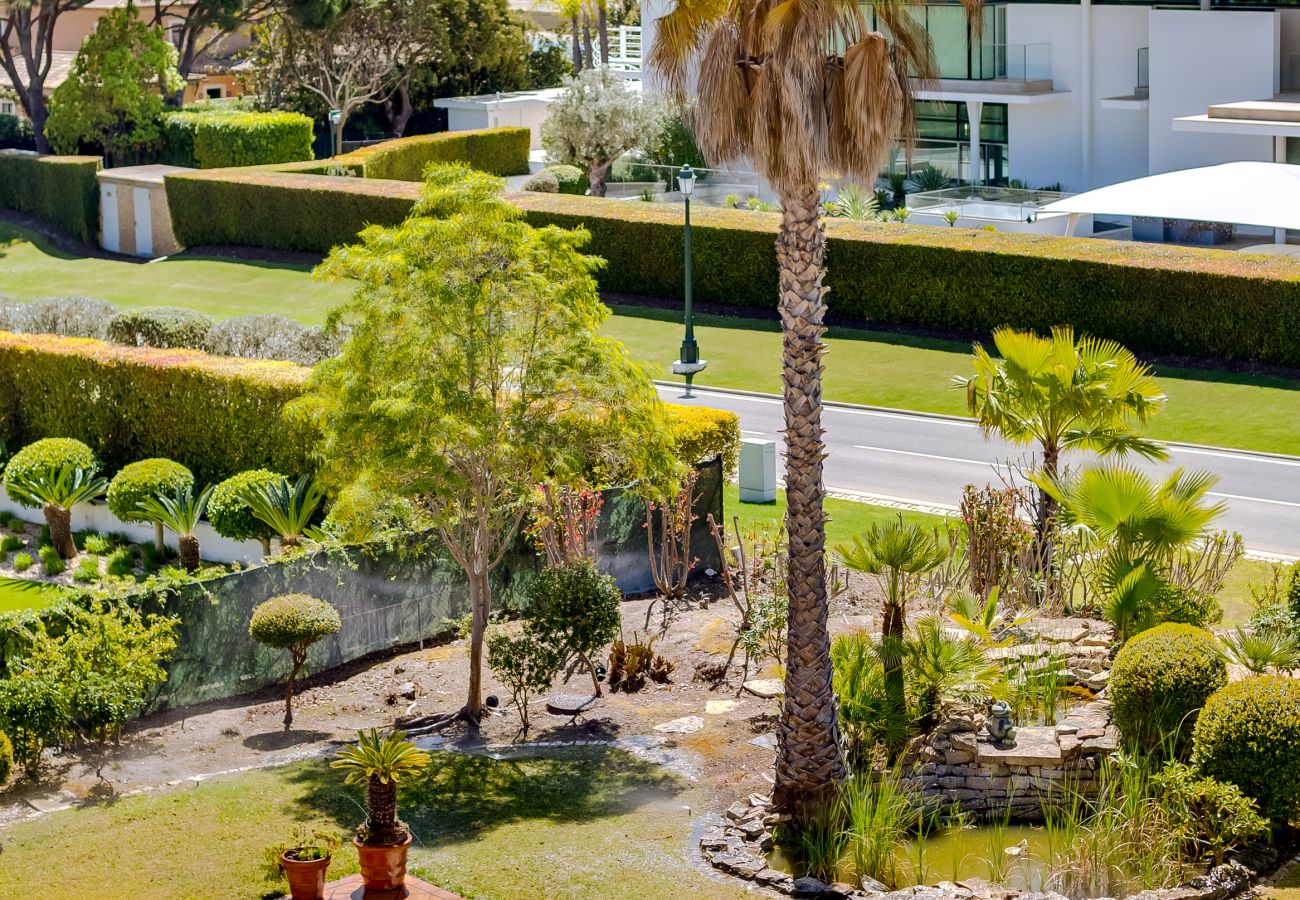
{"x":303,"y":861}
{"x":383,"y":841}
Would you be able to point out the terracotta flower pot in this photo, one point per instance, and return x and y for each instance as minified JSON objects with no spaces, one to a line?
{"x":383,"y":867}
{"x":306,"y":876}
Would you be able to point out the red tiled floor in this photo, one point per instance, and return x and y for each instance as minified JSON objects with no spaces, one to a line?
{"x":351,"y":888}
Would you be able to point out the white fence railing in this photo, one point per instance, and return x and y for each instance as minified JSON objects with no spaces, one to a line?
{"x":624,"y":48}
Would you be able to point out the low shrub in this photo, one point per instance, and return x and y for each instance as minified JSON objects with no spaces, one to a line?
{"x":293,"y":622}
{"x":34,"y":713}
{"x":1212,"y":816}
{"x":16,"y":134}
{"x":23,"y":562}
{"x":216,"y":137}
{"x":95,"y":544}
{"x":121,"y":563}
{"x":10,"y":543}
{"x":273,"y":337}
{"x":6,"y":758}
{"x":145,"y":480}
{"x":1248,"y":734}
{"x":69,"y":316}
{"x":60,"y":189}
{"x":497,"y":151}
{"x":87,"y":571}
{"x":1158,"y":682}
{"x":160,"y":326}
{"x":703,"y":433}
{"x":543,"y":182}
{"x":573,"y":610}
{"x":51,"y":563}
{"x":524,"y":664}
{"x":571,"y":179}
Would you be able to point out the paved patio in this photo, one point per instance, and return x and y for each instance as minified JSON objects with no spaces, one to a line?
{"x":351,"y":888}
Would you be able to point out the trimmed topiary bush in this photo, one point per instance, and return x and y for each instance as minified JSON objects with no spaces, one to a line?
{"x":702,"y":433}
{"x":232,"y":515}
{"x":53,"y":476}
{"x":160,"y":326}
{"x":293,"y":622}
{"x":62,"y":190}
{"x":213,"y":137}
{"x":146,"y":480}
{"x":497,"y":151}
{"x":571,"y":179}
{"x":46,"y":458}
{"x":543,"y":182}
{"x":1248,"y":734}
{"x":1158,"y":682}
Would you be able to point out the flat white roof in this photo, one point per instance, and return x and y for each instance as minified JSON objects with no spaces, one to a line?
{"x":1241,"y":193}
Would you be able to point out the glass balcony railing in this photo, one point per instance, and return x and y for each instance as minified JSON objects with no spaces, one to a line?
{"x":1024,"y":62}
{"x":1144,"y":68}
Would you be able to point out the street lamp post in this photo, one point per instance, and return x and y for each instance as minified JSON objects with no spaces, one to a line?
{"x":336,"y":130}
{"x":689,"y":362}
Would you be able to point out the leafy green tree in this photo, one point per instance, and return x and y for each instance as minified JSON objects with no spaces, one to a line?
{"x":1062,"y":393}
{"x":113,"y":96}
{"x":898,"y":553}
{"x":293,"y":622}
{"x":27,"y":52}
{"x":475,"y":370}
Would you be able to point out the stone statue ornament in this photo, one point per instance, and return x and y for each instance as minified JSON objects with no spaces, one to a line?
{"x":999,"y":724}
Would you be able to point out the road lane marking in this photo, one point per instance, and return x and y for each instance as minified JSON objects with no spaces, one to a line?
{"x":874,"y":413}
{"x":1254,"y":499}
{"x":1228,"y":454}
{"x":956,"y":459}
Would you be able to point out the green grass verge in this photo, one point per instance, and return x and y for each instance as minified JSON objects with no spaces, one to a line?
{"x":863,"y":366}
{"x":18,"y":594}
{"x":589,"y":823}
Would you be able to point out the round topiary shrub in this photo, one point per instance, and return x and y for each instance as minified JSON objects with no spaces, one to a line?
{"x":1248,"y":734}
{"x":293,"y":622}
{"x":543,"y":183}
{"x":6,"y":758}
{"x":160,"y":326}
{"x":1158,"y":682}
{"x":47,"y":457}
{"x":146,"y":480}
{"x":571,"y":179}
{"x":232,"y":517}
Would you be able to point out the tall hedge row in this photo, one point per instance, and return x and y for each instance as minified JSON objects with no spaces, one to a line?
{"x":281,"y":210}
{"x":497,"y":151}
{"x":60,"y":189}
{"x":217,"y":416}
{"x":217,"y":138}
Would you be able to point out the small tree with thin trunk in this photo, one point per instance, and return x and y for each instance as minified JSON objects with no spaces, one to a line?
{"x":230,"y":513}
{"x":474,"y":371}
{"x":145,"y":480}
{"x":55,"y":474}
{"x":596,"y":120}
{"x":293,"y":622}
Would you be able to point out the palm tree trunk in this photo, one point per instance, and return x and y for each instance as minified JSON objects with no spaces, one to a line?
{"x":158,"y":536}
{"x":381,"y":810}
{"x":602,"y":31}
{"x":810,"y":760}
{"x":586,"y":40}
{"x":189,"y":550}
{"x":1046,"y":512}
{"x":892,"y":630}
{"x":59,"y":521}
{"x":577,"y":47}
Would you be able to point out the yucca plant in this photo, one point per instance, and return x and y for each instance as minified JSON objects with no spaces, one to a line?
{"x":56,"y":493}
{"x":180,"y":512}
{"x":854,"y":202}
{"x":1261,"y":651}
{"x":381,"y":762}
{"x":286,"y":508}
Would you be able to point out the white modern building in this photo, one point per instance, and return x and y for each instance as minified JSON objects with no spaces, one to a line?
{"x":1080,"y":94}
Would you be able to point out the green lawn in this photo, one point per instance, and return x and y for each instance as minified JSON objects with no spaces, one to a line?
{"x":587,"y":823}
{"x":17,"y":594}
{"x":870,"y":367}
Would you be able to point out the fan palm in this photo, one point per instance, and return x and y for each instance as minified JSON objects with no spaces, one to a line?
{"x":799,"y":89}
{"x":287,"y":509}
{"x":898,"y":553}
{"x":1260,"y":651}
{"x":381,"y":763}
{"x":1062,"y":393}
{"x":1141,"y":523}
{"x":181,"y":513}
{"x":56,"y":493}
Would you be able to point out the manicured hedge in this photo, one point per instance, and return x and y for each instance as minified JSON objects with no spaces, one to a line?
{"x":497,"y":151}
{"x":215,"y":415}
{"x":59,"y":189}
{"x":261,"y":207}
{"x":217,"y":138}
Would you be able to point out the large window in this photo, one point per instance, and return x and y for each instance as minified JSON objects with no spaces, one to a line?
{"x":958,"y":50}
{"x":943,"y":139}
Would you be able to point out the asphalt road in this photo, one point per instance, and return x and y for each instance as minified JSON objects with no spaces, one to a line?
{"x":928,"y":460}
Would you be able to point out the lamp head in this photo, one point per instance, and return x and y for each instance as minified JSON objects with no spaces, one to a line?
{"x":336,"y":116}
{"x":686,"y":181}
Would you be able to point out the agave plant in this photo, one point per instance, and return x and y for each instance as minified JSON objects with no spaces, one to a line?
{"x":1260,"y":650}
{"x":928,"y":178}
{"x":381,"y":762}
{"x":287,"y":509}
{"x":854,"y":202}
{"x":180,"y":513}
{"x":56,"y":493}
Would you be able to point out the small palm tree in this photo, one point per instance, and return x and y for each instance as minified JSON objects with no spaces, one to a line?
{"x":898,"y":553}
{"x":1260,"y":651}
{"x":56,"y":493}
{"x":1061,"y":393}
{"x":286,"y":508}
{"x":381,"y":763}
{"x":180,"y":513}
{"x":1141,"y":523}
{"x":947,"y":669}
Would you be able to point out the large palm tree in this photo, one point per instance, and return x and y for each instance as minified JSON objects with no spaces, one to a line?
{"x":800,"y":89}
{"x":1062,"y":393}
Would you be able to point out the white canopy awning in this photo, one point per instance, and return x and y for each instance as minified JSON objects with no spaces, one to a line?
{"x":1241,"y":193}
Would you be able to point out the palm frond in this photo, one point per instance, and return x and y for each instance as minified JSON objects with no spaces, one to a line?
{"x":65,"y":488}
{"x":179,"y":512}
{"x":287,"y":509}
